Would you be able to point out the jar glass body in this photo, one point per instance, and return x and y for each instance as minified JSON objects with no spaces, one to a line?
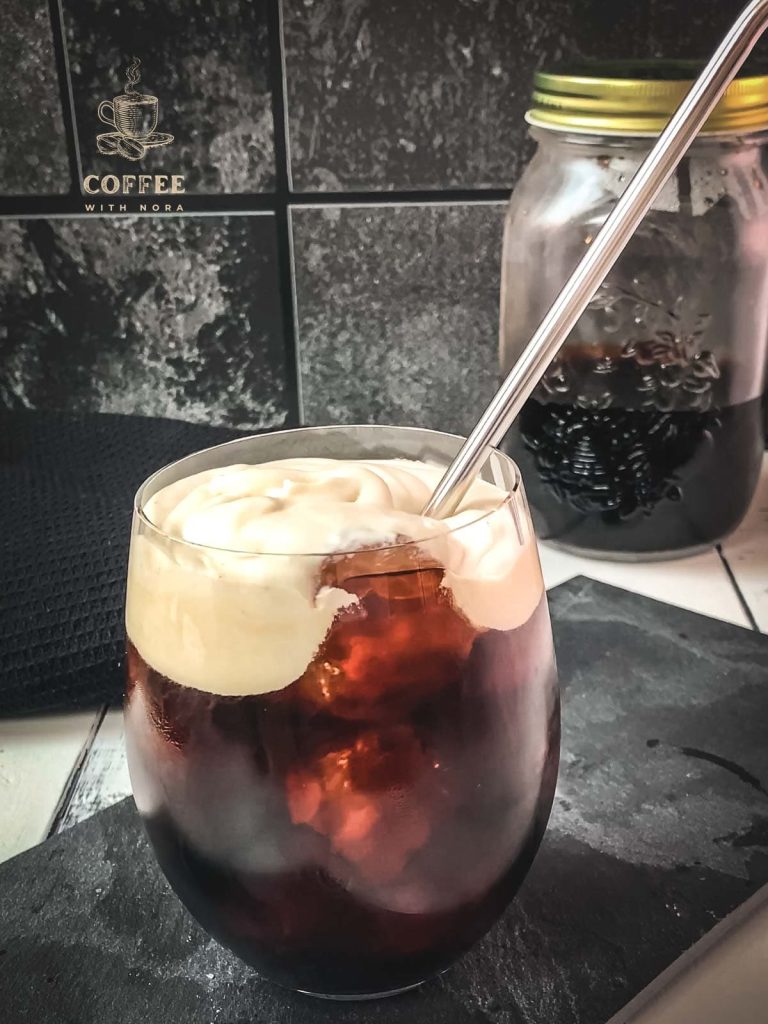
{"x":644,"y":438}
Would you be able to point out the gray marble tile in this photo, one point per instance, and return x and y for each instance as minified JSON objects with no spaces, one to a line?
{"x":401,"y":95}
{"x":172,"y":316}
{"x":658,"y":832}
{"x":206,"y":62}
{"x":692,"y":31}
{"x":398,"y":312}
{"x":33,"y":155}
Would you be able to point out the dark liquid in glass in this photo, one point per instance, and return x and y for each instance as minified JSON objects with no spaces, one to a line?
{"x":357,"y":831}
{"x":630,"y":471}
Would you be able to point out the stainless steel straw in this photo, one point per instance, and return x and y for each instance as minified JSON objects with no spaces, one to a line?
{"x":607,"y":246}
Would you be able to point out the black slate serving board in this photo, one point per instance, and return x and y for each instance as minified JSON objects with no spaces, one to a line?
{"x":660,"y":829}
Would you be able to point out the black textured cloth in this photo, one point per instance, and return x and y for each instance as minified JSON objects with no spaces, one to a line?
{"x":66,"y":493}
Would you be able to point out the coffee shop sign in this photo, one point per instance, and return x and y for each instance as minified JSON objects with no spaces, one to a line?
{"x":133,"y":118}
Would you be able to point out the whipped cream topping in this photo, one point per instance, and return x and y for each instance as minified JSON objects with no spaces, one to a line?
{"x":226,"y":597}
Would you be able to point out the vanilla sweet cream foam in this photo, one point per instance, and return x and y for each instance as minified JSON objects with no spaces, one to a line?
{"x":225,"y":596}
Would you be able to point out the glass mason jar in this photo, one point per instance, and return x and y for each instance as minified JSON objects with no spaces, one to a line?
{"x":644,"y":438}
{"x":353,"y":827}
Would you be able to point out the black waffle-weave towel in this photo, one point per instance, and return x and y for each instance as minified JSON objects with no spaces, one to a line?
{"x":66,"y":493}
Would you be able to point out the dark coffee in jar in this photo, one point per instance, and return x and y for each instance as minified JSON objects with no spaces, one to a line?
{"x":620,"y":454}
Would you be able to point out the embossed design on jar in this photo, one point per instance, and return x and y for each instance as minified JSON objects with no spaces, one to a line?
{"x":663,"y":351}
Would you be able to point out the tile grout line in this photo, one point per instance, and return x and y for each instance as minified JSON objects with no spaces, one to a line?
{"x":187,"y":214}
{"x":74,"y":777}
{"x":244,"y":203}
{"x":296,"y":326}
{"x":286,"y":283}
{"x":286,"y":288}
{"x":740,"y":596}
{"x":362,"y":200}
{"x":66,"y":95}
{"x":283,"y":72}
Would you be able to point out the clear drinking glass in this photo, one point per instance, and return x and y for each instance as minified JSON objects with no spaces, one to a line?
{"x":354,"y":832}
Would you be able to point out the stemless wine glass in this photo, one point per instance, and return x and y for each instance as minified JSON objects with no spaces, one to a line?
{"x":352,"y":832}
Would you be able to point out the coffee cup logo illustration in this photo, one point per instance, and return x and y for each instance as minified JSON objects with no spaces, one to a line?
{"x":133,"y":115}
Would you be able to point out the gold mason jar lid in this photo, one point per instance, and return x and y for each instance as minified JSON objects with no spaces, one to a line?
{"x":638,"y":98}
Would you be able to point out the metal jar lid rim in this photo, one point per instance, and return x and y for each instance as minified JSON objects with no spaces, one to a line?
{"x":638,"y":98}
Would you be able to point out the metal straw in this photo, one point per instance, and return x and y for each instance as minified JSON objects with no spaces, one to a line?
{"x":606,"y":248}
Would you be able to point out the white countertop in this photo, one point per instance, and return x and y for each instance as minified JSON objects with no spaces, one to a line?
{"x":56,"y":770}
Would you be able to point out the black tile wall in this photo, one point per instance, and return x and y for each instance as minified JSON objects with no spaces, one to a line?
{"x":693,"y":30}
{"x":430,"y":95}
{"x":397,"y":304}
{"x":174,"y":316}
{"x":398,"y":312}
{"x":33,"y":155}
{"x":205,"y":60}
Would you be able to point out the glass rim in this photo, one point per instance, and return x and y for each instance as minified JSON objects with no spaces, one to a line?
{"x":139,"y":502}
